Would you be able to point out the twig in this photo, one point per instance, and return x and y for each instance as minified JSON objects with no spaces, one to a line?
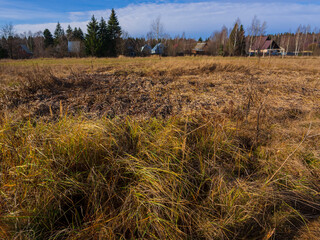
{"x":290,"y":155}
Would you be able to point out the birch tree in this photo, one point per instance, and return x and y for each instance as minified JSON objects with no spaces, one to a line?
{"x":297,"y":40}
{"x":157,"y":29}
{"x":256,"y":31}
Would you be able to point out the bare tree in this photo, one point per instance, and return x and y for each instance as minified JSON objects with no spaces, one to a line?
{"x":7,"y":33}
{"x":157,"y":29}
{"x":217,"y":41}
{"x":314,"y":38}
{"x":306,"y":30}
{"x":7,"y":30}
{"x":288,"y":42}
{"x":39,"y":46}
{"x":224,"y":35}
{"x":253,"y":30}
{"x":256,"y":31}
{"x":183,"y":42}
{"x":297,"y":40}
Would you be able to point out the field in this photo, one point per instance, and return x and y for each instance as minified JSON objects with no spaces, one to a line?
{"x":160,"y":148}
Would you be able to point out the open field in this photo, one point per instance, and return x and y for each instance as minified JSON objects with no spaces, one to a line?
{"x":150,"y":148}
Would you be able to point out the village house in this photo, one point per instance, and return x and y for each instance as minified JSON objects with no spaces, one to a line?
{"x":158,"y":49}
{"x":265,"y":46}
{"x":200,"y":48}
{"x":24,"y":52}
{"x":146,"y":50}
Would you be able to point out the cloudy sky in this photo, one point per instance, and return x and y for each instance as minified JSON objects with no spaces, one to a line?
{"x":195,"y":18}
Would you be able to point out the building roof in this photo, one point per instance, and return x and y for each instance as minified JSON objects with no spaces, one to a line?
{"x":158,"y":45}
{"x":26,"y":49}
{"x":158,"y":49}
{"x":146,"y":48}
{"x":200,"y":47}
{"x":263,"y":43}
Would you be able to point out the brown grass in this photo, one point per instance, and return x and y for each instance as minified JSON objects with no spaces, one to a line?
{"x":149,"y":148}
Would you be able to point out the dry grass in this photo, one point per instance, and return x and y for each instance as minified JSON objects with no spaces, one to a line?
{"x":149,"y":148}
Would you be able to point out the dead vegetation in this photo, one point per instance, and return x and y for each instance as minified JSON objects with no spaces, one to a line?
{"x":177,"y":148}
{"x":158,"y":92}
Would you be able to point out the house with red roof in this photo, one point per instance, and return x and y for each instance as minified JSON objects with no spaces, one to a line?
{"x":265,"y":46}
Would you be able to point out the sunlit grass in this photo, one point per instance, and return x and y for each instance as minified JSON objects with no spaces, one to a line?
{"x":245,"y":169}
{"x":153,"y":179}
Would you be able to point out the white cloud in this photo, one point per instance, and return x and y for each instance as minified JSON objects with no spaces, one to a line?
{"x":198,"y":18}
{"x":21,"y":28}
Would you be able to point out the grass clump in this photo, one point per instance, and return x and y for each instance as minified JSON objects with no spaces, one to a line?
{"x":180,"y":178}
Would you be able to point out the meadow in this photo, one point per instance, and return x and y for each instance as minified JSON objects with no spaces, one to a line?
{"x":160,"y":148}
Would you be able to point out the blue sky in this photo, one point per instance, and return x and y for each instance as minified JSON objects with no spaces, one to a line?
{"x":195,"y":18}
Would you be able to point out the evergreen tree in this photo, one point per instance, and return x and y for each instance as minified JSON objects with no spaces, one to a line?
{"x":200,"y":39}
{"x":233,"y":39}
{"x":221,"y":50}
{"x":241,"y":43}
{"x":48,"y":39}
{"x":78,"y":34}
{"x":103,"y":38}
{"x":114,"y":33}
{"x":237,"y":41}
{"x":69,"y":32}
{"x":92,"y":39}
{"x":58,"y":33}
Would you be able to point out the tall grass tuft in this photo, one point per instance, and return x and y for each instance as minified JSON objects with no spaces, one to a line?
{"x":180,"y":178}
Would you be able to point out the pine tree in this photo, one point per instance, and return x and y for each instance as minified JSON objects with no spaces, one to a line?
{"x":104,"y":38}
{"x":58,"y":33}
{"x":69,"y":32}
{"x":92,"y":39}
{"x":233,"y":39}
{"x":200,"y":39}
{"x":114,"y":33}
{"x":48,"y":39}
{"x":78,"y":34}
{"x":241,"y":43}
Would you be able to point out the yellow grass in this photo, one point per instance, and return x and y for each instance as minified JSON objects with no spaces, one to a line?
{"x":150,"y":148}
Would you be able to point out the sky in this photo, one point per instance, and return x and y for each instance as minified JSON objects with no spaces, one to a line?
{"x":194,"y":18}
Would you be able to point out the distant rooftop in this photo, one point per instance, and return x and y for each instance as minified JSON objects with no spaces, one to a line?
{"x":200,"y":47}
{"x":26,"y":49}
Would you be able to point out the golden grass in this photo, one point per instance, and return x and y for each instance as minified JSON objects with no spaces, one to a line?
{"x":170,"y":148}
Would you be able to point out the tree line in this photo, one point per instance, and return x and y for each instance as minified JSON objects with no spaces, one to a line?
{"x":107,"y":39}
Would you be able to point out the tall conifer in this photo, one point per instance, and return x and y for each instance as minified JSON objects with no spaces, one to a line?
{"x":241,"y":43}
{"x":233,"y":38}
{"x":114,"y":33}
{"x":103,"y":38}
{"x":78,"y":34}
{"x":69,"y":32}
{"x":48,"y":39}
{"x":58,"y":33}
{"x":92,"y":39}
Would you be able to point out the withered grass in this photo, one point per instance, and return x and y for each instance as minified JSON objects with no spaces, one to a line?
{"x":150,"y":148}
